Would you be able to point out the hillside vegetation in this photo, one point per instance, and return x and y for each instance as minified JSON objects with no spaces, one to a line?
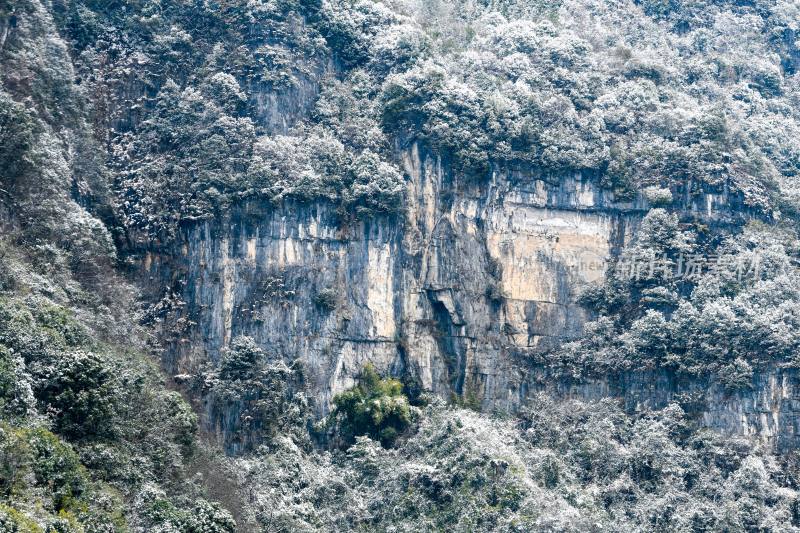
{"x":123,"y":123}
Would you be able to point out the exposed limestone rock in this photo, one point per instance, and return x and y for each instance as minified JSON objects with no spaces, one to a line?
{"x":450,"y":297}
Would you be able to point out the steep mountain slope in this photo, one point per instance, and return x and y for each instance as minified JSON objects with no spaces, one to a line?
{"x":528,"y":155}
{"x":91,"y":438}
{"x":493,"y":202}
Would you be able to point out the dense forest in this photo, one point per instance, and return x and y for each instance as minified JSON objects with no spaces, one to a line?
{"x":122,"y":124}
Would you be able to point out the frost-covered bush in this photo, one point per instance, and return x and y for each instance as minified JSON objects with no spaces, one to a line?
{"x":377,"y":186}
{"x":326,"y":299}
{"x":80,"y":387}
{"x":251,"y":397}
{"x":160,"y":515}
{"x":702,"y":311}
{"x":658,"y":197}
{"x":319,"y":167}
{"x":563,"y":466}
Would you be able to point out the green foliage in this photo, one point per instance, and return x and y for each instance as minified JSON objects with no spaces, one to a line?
{"x":42,"y":471}
{"x":54,"y":372}
{"x":187,"y":153}
{"x":619,"y":174}
{"x":374,"y":407}
{"x":56,"y":466}
{"x":7,"y":377}
{"x":16,"y":522}
{"x":80,"y":387}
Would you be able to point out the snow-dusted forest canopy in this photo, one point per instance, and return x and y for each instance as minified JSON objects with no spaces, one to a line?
{"x":123,"y":123}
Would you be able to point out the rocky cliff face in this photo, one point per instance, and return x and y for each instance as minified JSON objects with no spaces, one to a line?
{"x":768,"y":410}
{"x":455,"y":295}
{"x":446,"y":294}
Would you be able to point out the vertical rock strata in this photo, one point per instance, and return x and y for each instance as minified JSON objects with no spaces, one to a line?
{"x":456,"y":294}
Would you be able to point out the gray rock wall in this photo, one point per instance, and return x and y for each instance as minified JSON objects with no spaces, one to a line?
{"x":768,"y":410}
{"x":455,"y":294}
{"x":444,"y":293}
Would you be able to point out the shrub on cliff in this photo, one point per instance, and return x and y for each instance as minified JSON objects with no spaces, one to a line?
{"x":377,"y":186}
{"x":251,"y":397}
{"x":326,"y":299}
{"x":315,"y":166}
{"x":374,"y":407}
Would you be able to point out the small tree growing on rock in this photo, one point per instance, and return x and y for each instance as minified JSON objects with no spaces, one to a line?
{"x":375,"y":407}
